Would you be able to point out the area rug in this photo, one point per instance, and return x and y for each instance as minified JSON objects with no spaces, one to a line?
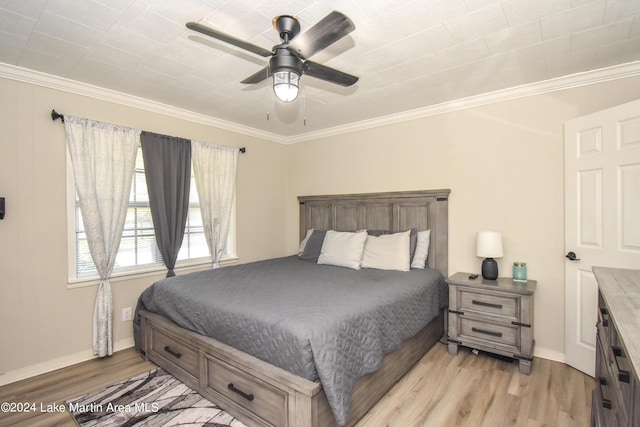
{"x":151,"y":399}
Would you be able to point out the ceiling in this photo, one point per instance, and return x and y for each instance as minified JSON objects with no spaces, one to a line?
{"x":409,"y":54}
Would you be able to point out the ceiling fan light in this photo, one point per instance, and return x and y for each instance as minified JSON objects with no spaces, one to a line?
{"x":285,"y":85}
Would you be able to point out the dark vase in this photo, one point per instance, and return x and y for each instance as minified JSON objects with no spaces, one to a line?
{"x":489,"y":269}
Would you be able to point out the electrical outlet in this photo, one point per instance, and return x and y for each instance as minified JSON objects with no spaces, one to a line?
{"x":126,"y":314}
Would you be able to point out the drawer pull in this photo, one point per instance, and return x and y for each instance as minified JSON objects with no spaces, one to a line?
{"x":623,"y":375}
{"x":487,"y":304}
{"x":482,"y":331}
{"x":249,"y":397}
{"x":606,"y":403}
{"x":605,"y":316}
{"x":175,"y":354}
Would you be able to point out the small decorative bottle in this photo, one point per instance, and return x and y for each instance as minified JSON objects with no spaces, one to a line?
{"x":520,"y":271}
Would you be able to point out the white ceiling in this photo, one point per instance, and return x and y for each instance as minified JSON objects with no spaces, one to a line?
{"x":409,"y":54}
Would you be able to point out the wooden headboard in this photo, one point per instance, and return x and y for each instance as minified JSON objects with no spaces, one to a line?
{"x":393,"y":212}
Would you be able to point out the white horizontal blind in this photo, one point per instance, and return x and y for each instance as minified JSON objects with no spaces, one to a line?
{"x":138,"y":246}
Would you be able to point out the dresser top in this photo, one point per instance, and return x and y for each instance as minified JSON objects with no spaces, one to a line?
{"x":620,"y":289}
{"x":503,"y":284}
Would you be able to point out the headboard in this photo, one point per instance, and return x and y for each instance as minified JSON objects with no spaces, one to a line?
{"x":393,"y":212}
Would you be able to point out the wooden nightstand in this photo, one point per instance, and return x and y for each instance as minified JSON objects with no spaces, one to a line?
{"x":492,"y":315}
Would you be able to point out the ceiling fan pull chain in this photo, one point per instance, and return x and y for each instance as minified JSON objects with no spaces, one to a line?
{"x":304,"y":107}
{"x":268,"y":97}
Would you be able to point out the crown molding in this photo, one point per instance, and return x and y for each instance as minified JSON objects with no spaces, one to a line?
{"x":631,"y":69}
{"x":84,"y":89}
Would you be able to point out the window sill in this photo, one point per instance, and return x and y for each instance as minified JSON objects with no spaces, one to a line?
{"x":183,"y":268}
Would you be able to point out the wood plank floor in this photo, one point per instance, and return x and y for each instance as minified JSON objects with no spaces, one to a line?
{"x":480,"y":390}
{"x":57,"y":386}
{"x":440,"y":391}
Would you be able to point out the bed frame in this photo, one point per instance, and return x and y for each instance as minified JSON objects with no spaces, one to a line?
{"x":260,"y":394}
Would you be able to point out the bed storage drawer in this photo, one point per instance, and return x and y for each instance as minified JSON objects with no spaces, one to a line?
{"x":175,"y":352}
{"x":259,"y":398}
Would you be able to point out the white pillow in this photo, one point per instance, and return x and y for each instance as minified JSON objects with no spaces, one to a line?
{"x":388,"y":252}
{"x":343,"y":249}
{"x":303,"y":244}
{"x":422,"y":249}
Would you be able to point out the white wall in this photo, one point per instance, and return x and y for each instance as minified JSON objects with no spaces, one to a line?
{"x":43,"y":323}
{"x":504,"y":165}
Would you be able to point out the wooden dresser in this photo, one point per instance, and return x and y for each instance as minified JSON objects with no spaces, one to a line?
{"x":492,"y":315}
{"x":616,"y":396}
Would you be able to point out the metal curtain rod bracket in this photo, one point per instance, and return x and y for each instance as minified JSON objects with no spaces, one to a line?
{"x":55,"y":116}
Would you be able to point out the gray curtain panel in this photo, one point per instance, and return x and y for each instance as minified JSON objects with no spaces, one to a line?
{"x":167,"y":165}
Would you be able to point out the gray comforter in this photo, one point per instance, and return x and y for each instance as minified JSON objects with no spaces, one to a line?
{"x":320,"y":322}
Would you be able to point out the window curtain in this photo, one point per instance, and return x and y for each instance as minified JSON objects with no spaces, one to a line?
{"x":167,"y":165}
{"x":215,"y":175}
{"x":103,"y":157}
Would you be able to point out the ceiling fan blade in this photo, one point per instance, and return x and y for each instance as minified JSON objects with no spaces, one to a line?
{"x":261,"y":75}
{"x":327,"y":31}
{"x":329,"y":74}
{"x":203,"y":29}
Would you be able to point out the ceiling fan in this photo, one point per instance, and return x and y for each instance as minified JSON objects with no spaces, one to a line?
{"x":288,"y":60}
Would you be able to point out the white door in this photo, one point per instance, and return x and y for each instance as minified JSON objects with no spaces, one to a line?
{"x":602,"y":216}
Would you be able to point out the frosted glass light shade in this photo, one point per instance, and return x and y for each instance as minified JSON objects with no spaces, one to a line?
{"x":285,"y":85}
{"x":489,"y":244}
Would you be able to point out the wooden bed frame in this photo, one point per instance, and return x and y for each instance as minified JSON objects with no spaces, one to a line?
{"x":260,"y":394}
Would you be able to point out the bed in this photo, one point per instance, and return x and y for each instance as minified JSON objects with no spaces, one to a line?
{"x":283,"y":368}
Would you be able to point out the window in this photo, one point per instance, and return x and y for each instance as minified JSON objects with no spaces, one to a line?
{"x":138,"y":249}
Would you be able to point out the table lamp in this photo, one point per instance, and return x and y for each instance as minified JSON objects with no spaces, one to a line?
{"x":489,"y":246}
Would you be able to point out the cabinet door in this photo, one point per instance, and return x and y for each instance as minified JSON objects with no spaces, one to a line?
{"x":605,"y":402}
{"x":635,"y":411}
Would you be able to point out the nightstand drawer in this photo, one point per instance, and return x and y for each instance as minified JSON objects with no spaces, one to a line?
{"x":502,"y":305}
{"x":489,"y":332}
{"x":492,"y":315}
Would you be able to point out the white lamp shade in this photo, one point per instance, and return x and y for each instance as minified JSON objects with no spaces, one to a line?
{"x":489,"y":244}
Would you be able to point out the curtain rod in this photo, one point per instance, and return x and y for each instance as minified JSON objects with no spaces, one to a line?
{"x":55,"y":116}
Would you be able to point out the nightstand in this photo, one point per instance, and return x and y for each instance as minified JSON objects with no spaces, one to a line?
{"x":492,"y":315}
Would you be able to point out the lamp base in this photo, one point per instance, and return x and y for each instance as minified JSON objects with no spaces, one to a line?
{"x":489,"y":269}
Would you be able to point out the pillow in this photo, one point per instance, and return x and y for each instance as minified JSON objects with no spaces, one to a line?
{"x":413,"y":241}
{"x":312,"y":249}
{"x":422,"y":249}
{"x":387,"y":252}
{"x":304,"y":241}
{"x":343,"y":249}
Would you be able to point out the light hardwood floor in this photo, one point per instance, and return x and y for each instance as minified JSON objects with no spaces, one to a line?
{"x":480,"y":390}
{"x":56,"y":387}
{"x":440,"y":391}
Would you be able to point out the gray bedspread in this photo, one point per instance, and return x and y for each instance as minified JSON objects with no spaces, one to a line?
{"x":320,"y":322}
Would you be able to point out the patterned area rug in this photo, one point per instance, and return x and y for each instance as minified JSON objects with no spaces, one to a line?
{"x":152,"y":399}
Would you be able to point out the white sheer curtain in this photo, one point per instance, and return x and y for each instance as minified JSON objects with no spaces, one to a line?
{"x":214,"y":167}
{"x":103,"y":157}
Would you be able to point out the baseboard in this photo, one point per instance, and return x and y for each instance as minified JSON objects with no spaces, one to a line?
{"x":83,"y":356}
{"x":58,"y":363}
{"x":544,"y":353}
